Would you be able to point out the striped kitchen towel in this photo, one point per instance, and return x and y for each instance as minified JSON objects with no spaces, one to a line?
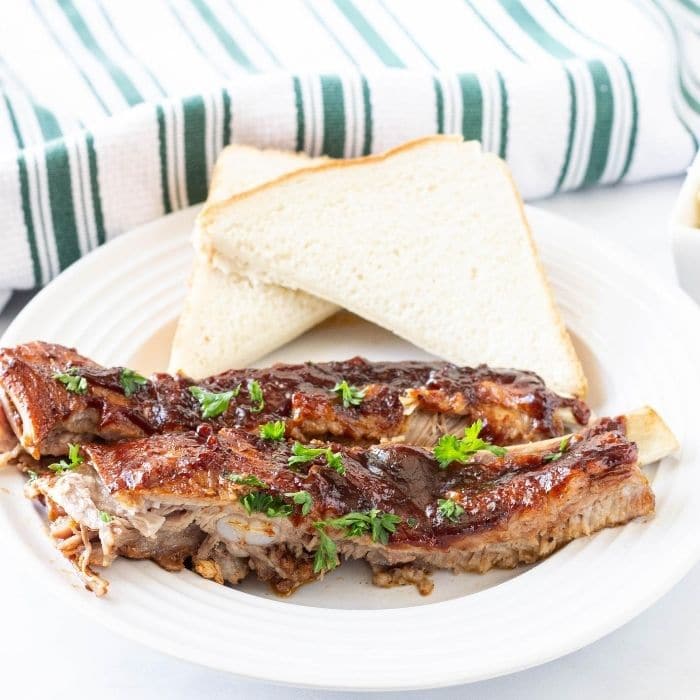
{"x":113,"y":111}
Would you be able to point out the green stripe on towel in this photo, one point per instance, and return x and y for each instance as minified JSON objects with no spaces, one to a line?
{"x":195,"y":149}
{"x":333,"y":116}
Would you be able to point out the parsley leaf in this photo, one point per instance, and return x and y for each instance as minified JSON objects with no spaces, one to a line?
{"x":256,"y":396}
{"x":450,"y":448}
{"x":383,"y":525}
{"x":74,"y":460}
{"x":262,"y":502}
{"x":303,"y":499}
{"x":351,"y":395}
{"x":302,"y":454}
{"x":213,"y":404}
{"x":72,"y":380}
{"x":105,"y":517}
{"x":247,"y":480}
{"x":335,"y":461}
{"x":326,"y":557}
{"x":131,"y":381}
{"x":274,"y":430}
{"x":450,"y":509}
{"x":378,"y":524}
{"x":563,"y":447}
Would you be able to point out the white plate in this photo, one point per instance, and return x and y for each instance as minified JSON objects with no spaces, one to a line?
{"x":639,"y":341}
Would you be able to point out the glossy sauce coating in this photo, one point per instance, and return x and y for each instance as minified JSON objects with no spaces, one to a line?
{"x":515,"y":406}
{"x":405,"y":480}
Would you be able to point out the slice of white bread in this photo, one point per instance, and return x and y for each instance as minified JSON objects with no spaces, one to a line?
{"x":227,"y":320}
{"x":428,"y":240}
{"x":239,"y":168}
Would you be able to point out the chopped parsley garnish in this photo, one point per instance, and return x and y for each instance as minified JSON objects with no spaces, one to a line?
{"x":256,"y":396}
{"x":72,"y":380}
{"x":563,"y":447}
{"x":374,"y":522}
{"x":450,"y":509}
{"x":302,"y":454}
{"x":450,"y":448}
{"x":262,"y":502}
{"x":246,"y":480}
{"x":74,"y":460}
{"x":274,"y":430}
{"x":213,"y":404}
{"x":326,"y":557}
{"x":412,"y":522}
{"x":303,"y":499}
{"x":33,"y":476}
{"x":105,"y":517}
{"x":131,"y":381}
{"x":350,"y":395}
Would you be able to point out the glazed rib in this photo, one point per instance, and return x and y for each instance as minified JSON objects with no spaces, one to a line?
{"x":413,"y":401}
{"x":174,"y":498}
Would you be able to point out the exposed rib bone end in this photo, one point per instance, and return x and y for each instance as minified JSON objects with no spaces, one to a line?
{"x":643,"y":426}
{"x":649,"y":431}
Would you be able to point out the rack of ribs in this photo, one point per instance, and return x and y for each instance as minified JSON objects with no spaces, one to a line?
{"x":53,"y":396}
{"x":228,"y":503}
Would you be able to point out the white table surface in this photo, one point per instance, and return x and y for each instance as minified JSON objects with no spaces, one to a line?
{"x":55,"y":653}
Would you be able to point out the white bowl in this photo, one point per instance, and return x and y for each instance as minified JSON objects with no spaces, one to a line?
{"x":685,"y":230}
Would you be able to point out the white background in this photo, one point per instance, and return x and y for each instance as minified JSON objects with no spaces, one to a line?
{"x":49,"y":652}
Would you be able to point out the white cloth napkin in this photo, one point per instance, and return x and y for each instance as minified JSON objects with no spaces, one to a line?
{"x":113,"y":112}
